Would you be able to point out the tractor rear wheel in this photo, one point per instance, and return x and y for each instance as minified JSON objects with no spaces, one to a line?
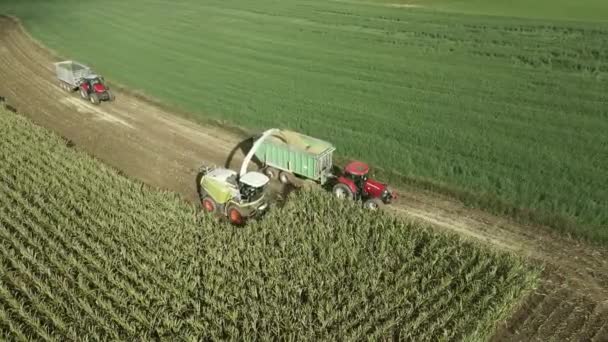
{"x":373,"y":204}
{"x":271,"y":172}
{"x":209,"y":204}
{"x":343,"y":191}
{"x":94,"y":99}
{"x":286,"y":177}
{"x":235,"y":216}
{"x":83,"y":94}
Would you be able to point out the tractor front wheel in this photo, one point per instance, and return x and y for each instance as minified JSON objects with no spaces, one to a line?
{"x":373,"y":204}
{"x":342,"y":191}
{"x":209,"y":204}
{"x":94,"y":99}
{"x":235,"y":216}
{"x":110,"y":96}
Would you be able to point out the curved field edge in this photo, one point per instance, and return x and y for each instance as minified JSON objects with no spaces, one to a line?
{"x":88,"y":252}
{"x":551,"y":186}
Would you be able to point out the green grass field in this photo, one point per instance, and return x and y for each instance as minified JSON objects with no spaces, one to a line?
{"x":88,"y":254}
{"x":508,"y":114}
{"x":585,"y":10}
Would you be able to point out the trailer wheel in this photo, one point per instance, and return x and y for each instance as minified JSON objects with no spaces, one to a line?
{"x":94,"y":99}
{"x":271,"y":172}
{"x":286,"y":177}
{"x":209,"y":204}
{"x":235,"y":216}
{"x":342,"y":191}
{"x":373,"y":204}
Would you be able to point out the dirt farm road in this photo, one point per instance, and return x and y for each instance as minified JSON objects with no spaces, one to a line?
{"x":161,"y":149}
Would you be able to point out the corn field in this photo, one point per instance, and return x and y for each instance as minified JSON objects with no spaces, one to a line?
{"x":87,"y":254}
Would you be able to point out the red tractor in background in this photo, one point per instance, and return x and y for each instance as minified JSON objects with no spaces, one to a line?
{"x":94,"y":89}
{"x":354,"y":184}
{"x":76,"y":76}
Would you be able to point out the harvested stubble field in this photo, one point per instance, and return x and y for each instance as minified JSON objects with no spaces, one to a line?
{"x":86,"y":253}
{"x":505,"y":113}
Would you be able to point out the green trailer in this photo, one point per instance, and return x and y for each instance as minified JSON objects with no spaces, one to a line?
{"x":286,"y":153}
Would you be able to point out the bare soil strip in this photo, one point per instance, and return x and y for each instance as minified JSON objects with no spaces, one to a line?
{"x":164,"y":150}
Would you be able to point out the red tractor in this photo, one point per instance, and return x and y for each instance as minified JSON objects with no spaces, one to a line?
{"x":76,"y":76}
{"x":354,"y":184}
{"x":94,"y":89}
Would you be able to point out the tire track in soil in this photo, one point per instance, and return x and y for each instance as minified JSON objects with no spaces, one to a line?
{"x":165,"y":151}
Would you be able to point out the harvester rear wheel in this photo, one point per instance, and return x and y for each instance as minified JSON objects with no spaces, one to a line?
{"x":235,"y":216}
{"x":342,"y":191}
{"x":209,"y":204}
{"x":373,"y":204}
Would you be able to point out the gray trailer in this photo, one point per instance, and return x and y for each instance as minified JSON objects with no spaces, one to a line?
{"x":71,"y":74}
{"x":74,"y":76}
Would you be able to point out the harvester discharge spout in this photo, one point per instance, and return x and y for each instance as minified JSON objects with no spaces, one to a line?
{"x":254,"y":148}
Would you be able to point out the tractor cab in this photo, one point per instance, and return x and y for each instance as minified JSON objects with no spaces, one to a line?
{"x":354,"y":183}
{"x":95,"y":82}
{"x":357,"y":172}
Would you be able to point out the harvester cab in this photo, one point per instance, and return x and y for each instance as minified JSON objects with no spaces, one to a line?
{"x":252,"y":186}
{"x":354,"y":183}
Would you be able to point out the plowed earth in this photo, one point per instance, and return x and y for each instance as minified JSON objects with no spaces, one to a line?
{"x":154,"y":145}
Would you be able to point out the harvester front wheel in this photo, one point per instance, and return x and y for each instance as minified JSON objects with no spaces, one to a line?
{"x":342,"y":191}
{"x":209,"y":204}
{"x":373,"y":204}
{"x":235,"y":216}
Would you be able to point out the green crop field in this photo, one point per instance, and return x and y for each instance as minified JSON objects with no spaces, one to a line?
{"x":585,"y":10}
{"x":88,"y":254}
{"x":505,"y":113}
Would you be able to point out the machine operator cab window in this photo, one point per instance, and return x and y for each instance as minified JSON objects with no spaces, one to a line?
{"x":357,"y":172}
{"x":252,"y":186}
{"x":94,"y":79}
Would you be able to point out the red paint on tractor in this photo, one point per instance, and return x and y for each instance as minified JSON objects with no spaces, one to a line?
{"x":349,"y":183}
{"x":357,"y":168}
{"x":99,"y":88}
{"x":374,"y":188}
